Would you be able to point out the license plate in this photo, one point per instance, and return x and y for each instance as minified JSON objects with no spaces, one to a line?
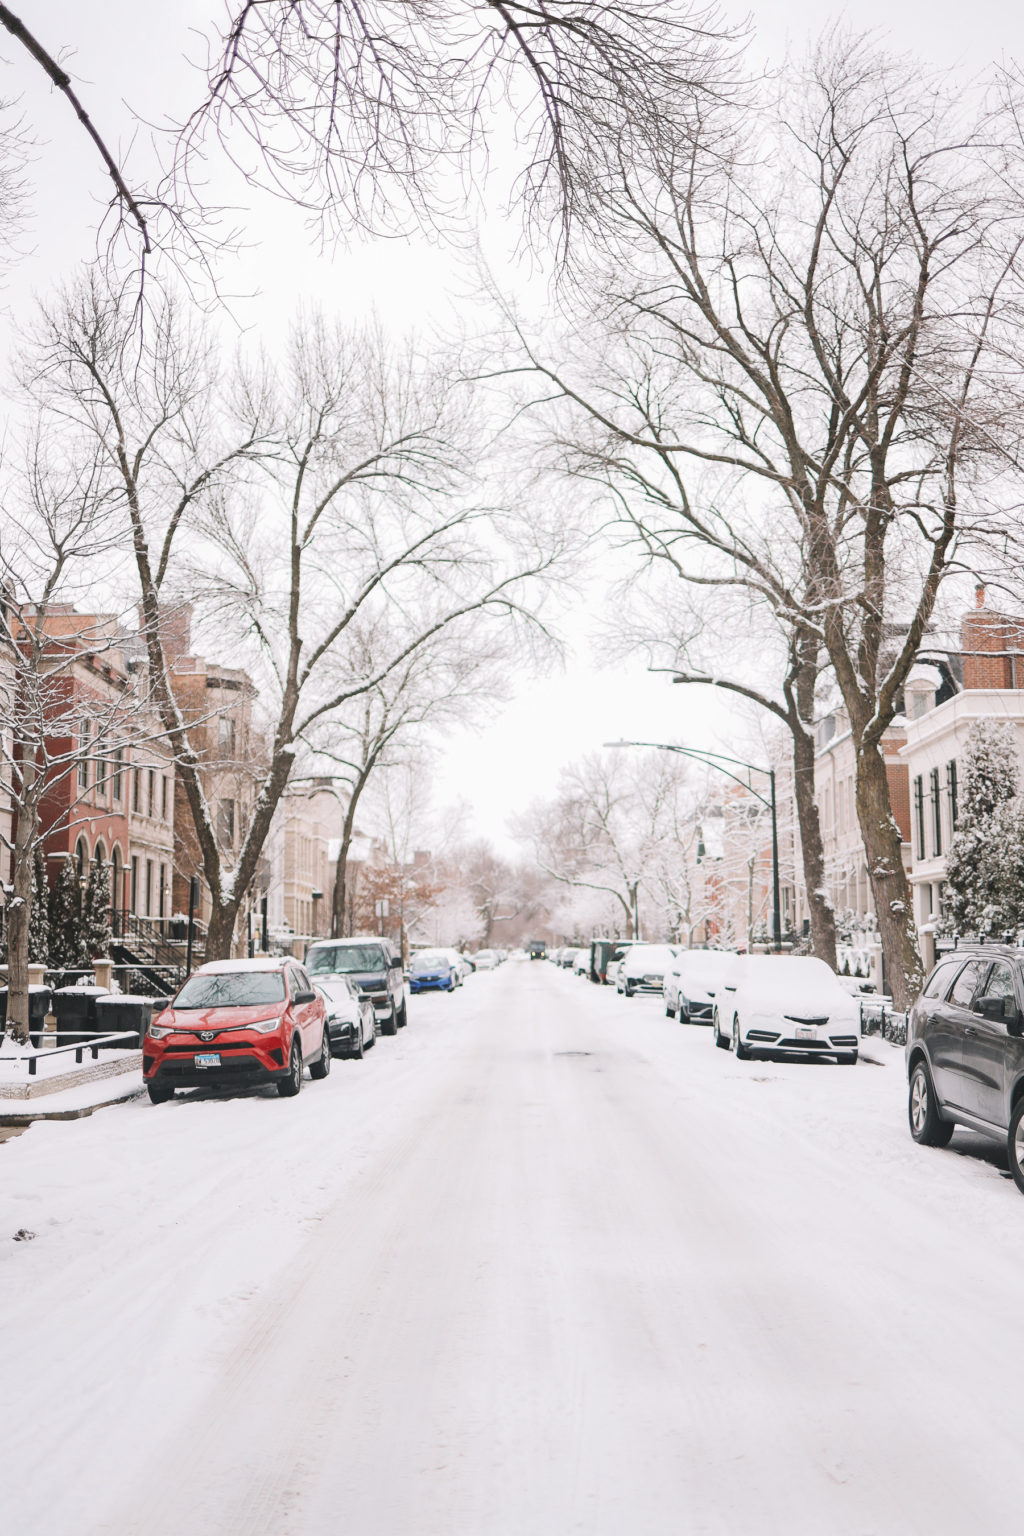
{"x":806,"y":1032}
{"x":208,"y":1059}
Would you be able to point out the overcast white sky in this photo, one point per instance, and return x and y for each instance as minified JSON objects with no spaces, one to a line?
{"x":129,"y":54}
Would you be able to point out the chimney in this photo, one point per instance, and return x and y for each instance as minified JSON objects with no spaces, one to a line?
{"x":979,"y":595}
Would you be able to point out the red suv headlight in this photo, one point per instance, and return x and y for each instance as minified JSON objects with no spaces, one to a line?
{"x":265,"y":1026}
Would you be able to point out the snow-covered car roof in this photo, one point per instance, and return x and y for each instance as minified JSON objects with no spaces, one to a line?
{"x":225,"y":967}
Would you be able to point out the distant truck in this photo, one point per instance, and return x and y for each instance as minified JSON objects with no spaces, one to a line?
{"x":602,"y":953}
{"x":538,"y":949}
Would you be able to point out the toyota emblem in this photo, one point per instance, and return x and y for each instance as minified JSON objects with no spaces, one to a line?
{"x":207,"y":1034}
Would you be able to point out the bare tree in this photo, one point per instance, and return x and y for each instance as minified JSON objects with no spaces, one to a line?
{"x":362,"y":114}
{"x":806,"y":394}
{"x":728,"y":639}
{"x":362,"y":507}
{"x":441,"y":683}
{"x":69,"y":706}
{"x":613,"y":822}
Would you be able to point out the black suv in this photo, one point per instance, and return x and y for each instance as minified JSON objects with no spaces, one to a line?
{"x":375,"y":967}
{"x":965,"y":1050}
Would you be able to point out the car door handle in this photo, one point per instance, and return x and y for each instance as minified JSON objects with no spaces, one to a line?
{"x":970,"y":1030}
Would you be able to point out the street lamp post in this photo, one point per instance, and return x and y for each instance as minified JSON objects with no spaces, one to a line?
{"x":716,"y":760}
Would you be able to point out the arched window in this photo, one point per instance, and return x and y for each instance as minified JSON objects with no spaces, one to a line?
{"x":81,"y":857}
{"x":99,"y":854}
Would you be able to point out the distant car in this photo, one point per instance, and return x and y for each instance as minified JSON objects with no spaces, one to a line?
{"x":567,"y":958}
{"x":237,"y":1024}
{"x":581,"y":964}
{"x":787,"y":1005}
{"x":691,"y":982}
{"x":643,"y":968}
{"x":375,"y":967}
{"x":486,"y":960}
{"x":433,"y":970}
{"x":351,"y":1022}
{"x":537,"y":948}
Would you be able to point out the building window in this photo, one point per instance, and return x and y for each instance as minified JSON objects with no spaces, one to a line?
{"x":951,"y":787}
{"x":118,"y":774}
{"x":137,"y":790}
{"x":152,"y":794}
{"x":163,"y":891}
{"x":149,"y":887}
{"x":163,"y":797}
{"x":226,"y":736}
{"x":936,"y":800}
{"x":134,"y":895}
{"x":83,"y":754}
{"x":919,"y":814}
{"x":226,"y":823}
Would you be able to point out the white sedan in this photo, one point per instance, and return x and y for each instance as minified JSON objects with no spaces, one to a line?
{"x":643,"y":968}
{"x":691,"y":982}
{"x":788,"y":1005}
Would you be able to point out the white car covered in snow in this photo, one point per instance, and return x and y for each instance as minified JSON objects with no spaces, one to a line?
{"x":643,"y":969}
{"x":691,"y":982}
{"x":788,"y":1005}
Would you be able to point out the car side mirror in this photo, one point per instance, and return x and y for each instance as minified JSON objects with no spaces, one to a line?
{"x":305,"y":997}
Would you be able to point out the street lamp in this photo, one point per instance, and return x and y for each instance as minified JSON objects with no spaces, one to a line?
{"x":716,"y":760}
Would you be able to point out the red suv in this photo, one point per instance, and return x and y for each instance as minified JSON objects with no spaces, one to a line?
{"x":238,"y":1022}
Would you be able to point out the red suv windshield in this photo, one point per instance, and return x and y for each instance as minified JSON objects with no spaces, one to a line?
{"x":235,"y":989}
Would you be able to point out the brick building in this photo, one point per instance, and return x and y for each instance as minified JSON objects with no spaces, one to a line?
{"x":945,"y":694}
{"x":216,"y":704}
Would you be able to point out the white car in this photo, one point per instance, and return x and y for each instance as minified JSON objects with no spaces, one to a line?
{"x":486,"y":960}
{"x":788,"y":1005}
{"x":581,"y":965}
{"x":691,"y":982}
{"x":643,"y":969}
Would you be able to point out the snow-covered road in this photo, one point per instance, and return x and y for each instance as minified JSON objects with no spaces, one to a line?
{"x":546,"y":1263}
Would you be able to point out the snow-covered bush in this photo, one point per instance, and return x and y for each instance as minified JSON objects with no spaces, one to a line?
{"x":96,"y":933}
{"x":985,"y":866}
{"x":39,"y":917}
{"x":67,"y":952}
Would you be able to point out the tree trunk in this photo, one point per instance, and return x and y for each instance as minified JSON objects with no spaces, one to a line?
{"x":822,"y":914}
{"x":19,"y":912}
{"x":220,"y":935}
{"x":889,"y":884}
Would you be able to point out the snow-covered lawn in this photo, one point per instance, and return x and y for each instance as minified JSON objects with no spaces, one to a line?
{"x":547,"y":1262}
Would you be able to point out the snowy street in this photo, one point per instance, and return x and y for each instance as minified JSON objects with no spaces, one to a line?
{"x":547,"y":1262}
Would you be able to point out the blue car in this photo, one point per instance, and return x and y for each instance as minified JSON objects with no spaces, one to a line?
{"x":430,"y":971}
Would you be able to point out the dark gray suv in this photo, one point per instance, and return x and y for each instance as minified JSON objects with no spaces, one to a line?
{"x":965,"y":1050}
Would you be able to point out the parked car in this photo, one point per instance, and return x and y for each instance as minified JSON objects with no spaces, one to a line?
{"x":643,"y":968}
{"x":486,"y":960}
{"x":374,"y":965}
{"x":581,"y":964}
{"x":238,"y":1023}
{"x":789,"y":1005}
{"x":432,"y":970}
{"x":615,"y":957}
{"x":691,"y":982}
{"x":965,"y":1051}
{"x":351,"y":1022}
